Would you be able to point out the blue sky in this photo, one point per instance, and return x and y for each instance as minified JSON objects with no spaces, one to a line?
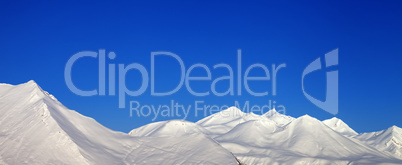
{"x":38,"y":38}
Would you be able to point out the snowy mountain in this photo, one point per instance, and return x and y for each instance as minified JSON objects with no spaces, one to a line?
{"x":274,"y":138}
{"x":305,"y":140}
{"x":389,"y":140}
{"x":339,"y":126}
{"x":37,"y":129}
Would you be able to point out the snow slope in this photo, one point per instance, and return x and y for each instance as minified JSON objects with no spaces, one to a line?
{"x":339,"y":126}
{"x":171,"y":128}
{"x":278,"y":118}
{"x":250,"y":132}
{"x":223,"y":121}
{"x":389,"y":140}
{"x":274,"y":138}
{"x":37,"y":129}
{"x":305,"y":140}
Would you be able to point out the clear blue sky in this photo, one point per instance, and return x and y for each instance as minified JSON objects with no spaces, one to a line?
{"x":38,"y":38}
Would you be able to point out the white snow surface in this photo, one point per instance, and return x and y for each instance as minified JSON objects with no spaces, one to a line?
{"x":224,"y":121}
{"x":37,"y":129}
{"x":389,"y":140}
{"x":339,"y":126}
{"x":305,"y":140}
{"x":171,"y":128}
{"x":274,"y":138}
{"x":278,"y":118}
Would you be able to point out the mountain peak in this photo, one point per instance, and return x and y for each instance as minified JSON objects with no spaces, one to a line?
{"x":36,"y":130}
{"x":170,"y":128}
{"x":231,"y":111}
{"x":307,"y":117}
{"x":333,"y":121}
{"x":233,"y":108}
{"x":389,"y":140}
{"x":277,"y":117}
{"x":30,"y":90}
{"x":395,"y":129}
{"x":271,"y":112}
{"x":339,"y":126}
{"x":334,"y":118}
{"x":31,"y":82}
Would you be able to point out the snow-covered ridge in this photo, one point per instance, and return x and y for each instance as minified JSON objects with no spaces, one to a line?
{"x":389,"y":140}
{"x":264,"y":139}
{"x":171,"y":128}
{"x":339,"y":126}
{"x":37,"y":129}
{"x":278,"y":118}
